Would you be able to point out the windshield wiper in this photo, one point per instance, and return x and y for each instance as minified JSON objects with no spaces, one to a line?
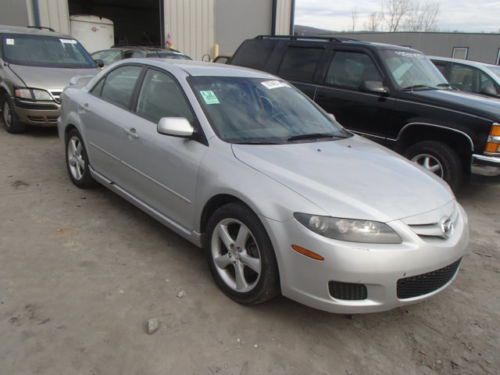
{"x":418,"y":87}
{"x":312,"y":136}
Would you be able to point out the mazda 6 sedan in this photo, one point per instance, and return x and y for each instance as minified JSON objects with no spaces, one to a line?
{"x":282,"y":198}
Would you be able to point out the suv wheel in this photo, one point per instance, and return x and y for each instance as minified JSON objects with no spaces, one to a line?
{"x":77,"y":161}
{"x":241,"y":256}
{"x":440,"y":159}
{"x":9,"y":116}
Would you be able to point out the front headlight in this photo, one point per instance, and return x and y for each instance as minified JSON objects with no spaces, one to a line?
{"x":365,"y":231}
{"x":33,"y":94}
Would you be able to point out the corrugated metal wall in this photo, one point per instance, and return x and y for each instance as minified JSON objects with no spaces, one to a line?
{"x":190,"y":24}
{"x":55,"y":14}
{"x":283,"y":16}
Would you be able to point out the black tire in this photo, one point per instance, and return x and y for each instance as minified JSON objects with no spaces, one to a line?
{"x":10,"y":119}
{"x":85,"y":181}
{"x":452,"y":168}
{"x":267,"y":285}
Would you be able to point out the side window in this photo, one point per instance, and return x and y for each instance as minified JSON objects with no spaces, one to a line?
{"x":441,"y":65}
{"x":161,"y":96}
{"x":119,"y":85}
{"x":254,"y":53}
{"x":463,"y":78}
{"x":351,"y":69}
{"x":299,"y":64}
{"x":97,"y":89}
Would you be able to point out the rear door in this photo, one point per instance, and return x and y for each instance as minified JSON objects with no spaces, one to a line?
{"x":105,"y":114}
{"x":342,"y":94}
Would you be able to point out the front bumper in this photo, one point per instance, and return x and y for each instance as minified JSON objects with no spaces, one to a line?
{"x":486,"y":165}
{"x":36,"y":113}
{"x":378,"y":267}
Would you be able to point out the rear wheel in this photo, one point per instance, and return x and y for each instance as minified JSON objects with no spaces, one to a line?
{"x":240,"y":255}
{"x":10,"y":120}
{"x":440,"y":159}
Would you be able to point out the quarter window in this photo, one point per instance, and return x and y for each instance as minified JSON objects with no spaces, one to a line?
{"x":463,"y":78}
{"x":160,"y":97}
{"x":119,"y":85}
{"x":351,"y":69}
{"x":299,"y":64}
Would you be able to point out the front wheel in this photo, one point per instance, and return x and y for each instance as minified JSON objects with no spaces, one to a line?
{"x":241,"y":256}
{"x":77,"y":161}
{"x":440,"y":159}
{"x":10,"y":120}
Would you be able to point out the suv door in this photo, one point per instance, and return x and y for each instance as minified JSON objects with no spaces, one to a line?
{"x":162,"y":169}
{"x":106,"y":116}
{"x":343,"y":94}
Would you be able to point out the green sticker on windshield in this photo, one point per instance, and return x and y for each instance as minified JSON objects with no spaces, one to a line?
{"x":209,"y":97}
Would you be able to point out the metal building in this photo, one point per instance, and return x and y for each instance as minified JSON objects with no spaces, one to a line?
{"x":199,"y":28}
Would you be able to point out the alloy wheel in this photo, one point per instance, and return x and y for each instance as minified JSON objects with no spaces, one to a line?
{"x":429,"y":162}
{"x":236,"y":255}
{"x":76,"y":160}
{"x":7,"y":115}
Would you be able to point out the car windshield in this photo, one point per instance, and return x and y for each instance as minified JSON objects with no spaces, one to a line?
{"x":46,"y":51}
{"x":496,"y":70}
{"x":262,"y":111}
{"x":108,"y":57}
{"x":412,"y":70}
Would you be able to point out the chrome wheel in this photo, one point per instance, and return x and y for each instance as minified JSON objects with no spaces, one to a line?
{"x":429,"y":162}
{"x":7,"y":114}
{"x":236,"y":255}
{"x":76,"y":161}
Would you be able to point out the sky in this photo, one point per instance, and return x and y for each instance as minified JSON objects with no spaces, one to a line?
{"x":454,"y":15}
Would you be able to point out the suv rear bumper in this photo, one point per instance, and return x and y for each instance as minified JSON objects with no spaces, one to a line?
{"x":486,"y":165}
{"x":32,"y":113}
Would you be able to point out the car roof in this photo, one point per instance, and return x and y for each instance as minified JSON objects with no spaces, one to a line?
{"x":461,"y":61}
{"x":144,"y":48}
{"x":198,"y":68}
{"x":6,"y":29}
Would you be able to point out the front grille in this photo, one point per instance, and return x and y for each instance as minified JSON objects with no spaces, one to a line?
{"x":347,"y":291}
{"x":425,"y":283}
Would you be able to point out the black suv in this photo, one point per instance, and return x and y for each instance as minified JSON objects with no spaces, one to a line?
{"x":393,"y":95}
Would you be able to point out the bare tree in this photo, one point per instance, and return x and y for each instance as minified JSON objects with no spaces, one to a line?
{"x":354,"y":17}
{"x":422,"y":17}
{"x":395,"y":12}
{"x":374,"y":21}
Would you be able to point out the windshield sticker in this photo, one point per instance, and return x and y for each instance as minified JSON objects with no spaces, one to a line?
{"x":274,"y":84}
{"x":10,"y":41}
{"x":209,"y":97}
{"x":408,"y":54}
{"x":68,"y":41}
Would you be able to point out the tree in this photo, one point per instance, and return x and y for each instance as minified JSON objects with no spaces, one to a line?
{"x":374,"y":21}
{"x":422,"y":17}
{"x":394,"y":12}
{"x":354,"y":17}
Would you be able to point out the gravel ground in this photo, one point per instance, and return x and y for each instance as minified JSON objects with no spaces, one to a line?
{"x":81,"y":273}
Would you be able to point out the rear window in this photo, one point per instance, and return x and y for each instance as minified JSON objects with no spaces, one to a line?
{"x":299,"y":63}
{"x":253,"y":53}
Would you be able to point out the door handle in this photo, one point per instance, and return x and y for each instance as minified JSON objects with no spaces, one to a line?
{"x":132,"y":133}
{"x":84,"y":107}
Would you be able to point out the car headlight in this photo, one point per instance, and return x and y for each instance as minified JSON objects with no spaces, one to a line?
{"x":33,"y":94}
{"x":365,"y":231}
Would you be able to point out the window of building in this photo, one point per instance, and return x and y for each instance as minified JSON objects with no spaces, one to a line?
{"x":460,"y":53}
{"x":299,"y":63}
{"x":119,"y":85}
{"x":498,"y":57}
{"x":351,"y":69}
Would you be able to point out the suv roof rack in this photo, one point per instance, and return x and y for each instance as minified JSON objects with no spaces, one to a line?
{"x":303,"y":37}
{"x":41,"y":28}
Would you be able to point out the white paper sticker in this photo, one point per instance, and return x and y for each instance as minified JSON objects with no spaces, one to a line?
{"x":274,"y":84}
{"x":68,"y":41}
{"x":10,"y":41}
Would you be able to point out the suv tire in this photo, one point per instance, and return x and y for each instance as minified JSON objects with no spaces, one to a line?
{"x":9,"y":116}
{"x":440,"y":159}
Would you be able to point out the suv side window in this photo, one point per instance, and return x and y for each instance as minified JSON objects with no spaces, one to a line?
{"x":161,"y":96}
{"x":463,"y":78}
{"x":119,"y":85}
{"x":299,"y":63}
{"x":351,"y":69}
{"x":253,"y":53}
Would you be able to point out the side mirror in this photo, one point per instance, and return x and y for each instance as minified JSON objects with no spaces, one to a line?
{"x":99,"y":63}
{"x":176,"y":127}
{"x":374,"y":86}
{"x":332,"y":116}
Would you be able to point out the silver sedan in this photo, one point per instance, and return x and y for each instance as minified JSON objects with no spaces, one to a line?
{"x":283,"y":198}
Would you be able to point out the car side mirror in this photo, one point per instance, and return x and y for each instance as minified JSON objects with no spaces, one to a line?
{"x":331,"y":116}
{"x":176,"y":127}
{"x":99,"y":63}
{"x":375,"y":87}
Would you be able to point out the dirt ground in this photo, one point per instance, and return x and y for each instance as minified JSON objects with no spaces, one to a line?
{"x":82,"y":271}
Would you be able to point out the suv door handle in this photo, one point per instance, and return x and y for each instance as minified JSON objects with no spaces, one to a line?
{"x":132,"y":133}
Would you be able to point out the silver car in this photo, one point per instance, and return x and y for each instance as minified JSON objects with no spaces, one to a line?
{"x":283,"y":198}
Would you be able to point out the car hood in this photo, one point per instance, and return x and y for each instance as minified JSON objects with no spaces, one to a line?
{"x":350,"y":178}
{"x":48,"y":78}
{"x":478,"y":105}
